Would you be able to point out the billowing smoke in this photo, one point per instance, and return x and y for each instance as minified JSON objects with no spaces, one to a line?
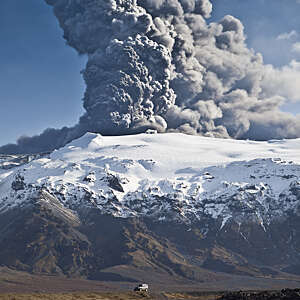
{"x":159,"y":64}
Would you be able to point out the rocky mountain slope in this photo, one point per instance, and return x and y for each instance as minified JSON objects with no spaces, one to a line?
{"x":118,"y":208}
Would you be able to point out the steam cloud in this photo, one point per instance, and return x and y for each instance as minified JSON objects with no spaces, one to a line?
{"x":159,"y":64}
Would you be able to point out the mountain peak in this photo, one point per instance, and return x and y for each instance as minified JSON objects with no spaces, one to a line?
{"x":164,"y":176}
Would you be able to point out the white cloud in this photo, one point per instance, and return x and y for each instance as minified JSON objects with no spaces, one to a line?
{"x":296,"y":47}
{"x":288,"y":35}
{"x":284,"y":81}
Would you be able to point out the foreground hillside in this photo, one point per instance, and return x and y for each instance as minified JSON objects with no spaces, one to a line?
{"x":158,"y":208}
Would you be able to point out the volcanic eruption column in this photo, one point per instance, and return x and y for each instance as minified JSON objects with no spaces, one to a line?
{"x":158,"y":64}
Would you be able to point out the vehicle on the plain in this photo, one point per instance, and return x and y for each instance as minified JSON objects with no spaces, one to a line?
{"x":143,"y":287}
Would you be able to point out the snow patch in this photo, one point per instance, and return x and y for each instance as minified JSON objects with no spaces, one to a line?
{"x":164,"y":176}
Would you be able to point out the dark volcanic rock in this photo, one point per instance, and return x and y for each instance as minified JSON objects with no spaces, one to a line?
{"x":114,"y":183}
{"x":18,"y":184}
{"x":286,"y":294}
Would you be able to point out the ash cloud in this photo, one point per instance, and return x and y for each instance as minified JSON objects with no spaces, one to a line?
{"x":159,"y":64}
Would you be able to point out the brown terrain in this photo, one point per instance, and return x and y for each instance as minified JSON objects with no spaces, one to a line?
{"x":45,"y":252}
{"x":286,"y":294}
{"x":15,"y":285}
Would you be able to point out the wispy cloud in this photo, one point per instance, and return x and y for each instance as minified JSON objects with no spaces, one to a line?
{"x":296,"y":48}
{"x":288,"y":35}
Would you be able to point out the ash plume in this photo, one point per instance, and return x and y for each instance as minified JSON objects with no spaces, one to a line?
{"x":159,"y":64}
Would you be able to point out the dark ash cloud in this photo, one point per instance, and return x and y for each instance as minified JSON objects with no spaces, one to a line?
{"x":159,"y":64}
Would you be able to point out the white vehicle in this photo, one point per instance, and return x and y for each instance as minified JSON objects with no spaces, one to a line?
{"x":142,"y":287}
{"x":151,"y":131}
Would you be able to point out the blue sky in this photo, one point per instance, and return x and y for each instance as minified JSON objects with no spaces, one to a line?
{"x":41,"y":85}
{"x":264,"y":21}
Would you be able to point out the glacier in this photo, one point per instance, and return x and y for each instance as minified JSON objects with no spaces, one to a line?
{"x":169,"y":176}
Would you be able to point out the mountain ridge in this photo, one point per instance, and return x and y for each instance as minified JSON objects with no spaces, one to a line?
{"x":170,"y":205}
{"x":100,"y":171}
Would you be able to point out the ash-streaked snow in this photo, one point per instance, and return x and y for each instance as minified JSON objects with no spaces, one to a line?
{"x":164,"y":176}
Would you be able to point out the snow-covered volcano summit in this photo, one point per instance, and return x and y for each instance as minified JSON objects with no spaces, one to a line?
{"x":164,"y":176}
